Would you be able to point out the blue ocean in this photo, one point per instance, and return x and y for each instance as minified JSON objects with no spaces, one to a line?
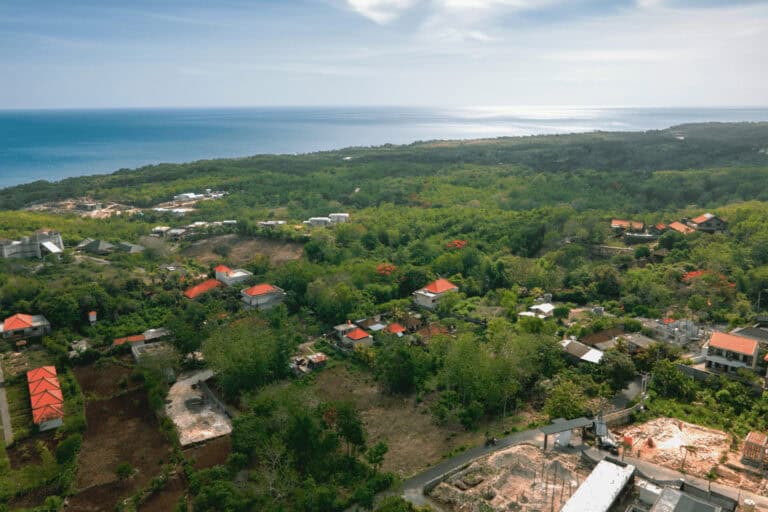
{"x":55,"y":144}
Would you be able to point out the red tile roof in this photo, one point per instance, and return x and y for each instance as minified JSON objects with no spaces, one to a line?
{"x":733,"y":343}
{"x":129,"y":339}
{"x":202,"y":288}
{"x":668,"y":321}
{"x":357,"y":334}
{"x":45,"y":394}
{"x":626,"y":224}
{"x":47,"y":397}
{"x":259,"y":289}
{"x":440,"y":286}
{"x":222,"y":268}
{"x":394,"y":328}
{"x":44,"y":384}
{"x":661,"y":226}
{"x":17,"y":321}
{"x":41,"y":373}
{"x":702,"y":218}
{"x":681,"y":228}
{"x":47,"y":413}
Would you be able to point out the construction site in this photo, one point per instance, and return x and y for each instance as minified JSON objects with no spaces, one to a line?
{"x":197,"y":414}
{"x":691,"y":449}
{"x":85,"y":207}
{"x":520,"y":478}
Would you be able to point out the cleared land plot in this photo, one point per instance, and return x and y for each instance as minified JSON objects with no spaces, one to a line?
{"x":167,"y":498}
{"x":243,"y":250}
{"x":196,"y":417}
{"x":521,"y":478}
{"x":678,"y":445}
{"x":212,"y":453}
{"x":103,"y":380}
{"x":415,"y":442}
{"x":122,"y":428}
{"x":23,"y":453}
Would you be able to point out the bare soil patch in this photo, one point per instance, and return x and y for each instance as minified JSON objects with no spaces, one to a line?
{"x":212,"y":453}
{"x":678,"y":445}
{"x":99,"y":381}
{"x":120,"y":429}
{"x":25,"y":452}
{"x":33,"y":498}
{"x":415,"y":441}
{"x":167,"y":498}
{"x":100,"y":497}
{"x":243,"y":250}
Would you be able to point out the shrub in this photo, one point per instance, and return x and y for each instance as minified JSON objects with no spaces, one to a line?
{"x":68,"y":448}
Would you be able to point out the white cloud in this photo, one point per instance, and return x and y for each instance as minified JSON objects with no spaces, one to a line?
{"x":519,"y":5}
{"x":381,"y":11}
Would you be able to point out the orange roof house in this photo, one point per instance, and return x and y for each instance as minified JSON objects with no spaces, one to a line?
{"x":48,"y":415}
{"x":681,"y":228}
{"x":394,"y":328}
{"x":42,"y":372}
{"x":17,"y":321}
{"x":440,"y":286}
{"x":222,"y":268}
{"x":45,"y":397}
{"x":44,"y":384}
{"x":431,"y":294}
{"x":356,"y":336}
{"x":627,"y":224}
{"x":204,"y":287}
{"x":22,"y":325}
{"x":709,"y":223}
{"x":259,"y":289}
{"x":262,"y":296}
{"x":136,"y":338}
{"x":733,"y":343}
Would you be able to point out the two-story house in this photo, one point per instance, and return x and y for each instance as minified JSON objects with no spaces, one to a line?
{"x":709,"y":223}
{"x":727,"y":353}
{"x":429,"y":296}
{"x":262,"y":296}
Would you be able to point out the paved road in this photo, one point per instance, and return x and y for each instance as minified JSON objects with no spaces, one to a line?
{"x":5,"y":416}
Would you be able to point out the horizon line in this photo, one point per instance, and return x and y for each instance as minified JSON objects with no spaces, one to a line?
{"x":374,"y":106}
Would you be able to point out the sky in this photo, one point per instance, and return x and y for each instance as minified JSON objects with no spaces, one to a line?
{"x":166,"y":53}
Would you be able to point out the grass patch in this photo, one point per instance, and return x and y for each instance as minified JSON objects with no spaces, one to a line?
{"x":19,"y":409}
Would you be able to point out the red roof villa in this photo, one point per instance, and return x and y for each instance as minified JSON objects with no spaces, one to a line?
{"x":262,"y":296}
{"x":430,"y":295}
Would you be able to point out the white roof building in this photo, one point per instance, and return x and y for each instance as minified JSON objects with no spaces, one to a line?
{"x":602,"y":488}
{"x":545,"y":309}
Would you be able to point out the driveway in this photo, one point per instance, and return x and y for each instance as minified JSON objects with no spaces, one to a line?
{"x":5,"y":415}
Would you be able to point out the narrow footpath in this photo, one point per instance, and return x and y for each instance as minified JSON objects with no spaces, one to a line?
{"x":5,"y":415}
